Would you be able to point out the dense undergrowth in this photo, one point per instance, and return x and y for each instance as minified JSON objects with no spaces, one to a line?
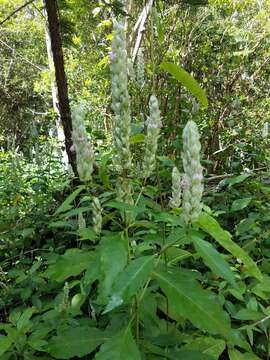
{"x":57,"y":276}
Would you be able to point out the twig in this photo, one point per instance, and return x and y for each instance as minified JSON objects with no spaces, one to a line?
{"x":224,"y":176}
{"x":143,"y":17}
{"x":17,"y":10}
{"x":21,"y":57}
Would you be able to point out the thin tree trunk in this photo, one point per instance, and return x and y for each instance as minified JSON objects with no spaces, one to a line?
{"x":61,"y":80}
{"x":58,"y":131}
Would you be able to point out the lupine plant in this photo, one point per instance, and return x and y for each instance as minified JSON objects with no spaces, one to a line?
{"x":148,"y":285}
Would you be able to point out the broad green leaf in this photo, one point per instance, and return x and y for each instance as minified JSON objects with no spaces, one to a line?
{"x":72,"y":263}
{"x":75,"y":342}
{"x":213,"y":259}
{"x":24,"y":319}
{"x":125,"y":207}
{"x":87,"y":234}
{"x":65,"y":206}
{"x":240,"y":204}
{"x":131,"y":280}
{"x":237,"y":355}
{"x":186,"y":80}
{"x":248,"y":314}
{"x":113,"y":259}
{"x":175,"y":255}
{"x":207,"y":346}
{"x":5,"y":344}
{"x":237,"y":180}
{"x":120,"y":347}
{"x":187,"y":299}
{"x":212,"y":227}
{"x":135,"y":139}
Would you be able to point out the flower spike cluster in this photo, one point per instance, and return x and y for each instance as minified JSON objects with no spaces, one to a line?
{"x":175,"y":200}
{"x":193,"y":173}
{"x":151,"y":142}
{"x":84,"y":152}
{"x":120,"y":98}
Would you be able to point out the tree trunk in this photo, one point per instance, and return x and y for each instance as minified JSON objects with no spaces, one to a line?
{"x":61,"y":80}
{"x":58,"y":130}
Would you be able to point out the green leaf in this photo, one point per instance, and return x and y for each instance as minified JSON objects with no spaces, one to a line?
{"x":237,"y":180}
{"x":212,"y":227}
{"x":247,"y":314}
{"x":207,"y":346}
{"x":240,"y":204}
{"x":135,"y":139}
{"x":125,"y":207}
{"x":5,"y":344}
{"x":131,"y":280}
{"x":237,"y":355}
{"x":213,"y":259}
{"x":120,"y":347}
{"x":113,"y":259}
{"x":87,"y":234}
{"x":188,"y":354}
{"x":187,"y":299}
{"x":186,"y":80}
{"x":24,"y":320}
{"x":75,"y":342}
{"x":72,"y":263}
{"x":66,"y":204}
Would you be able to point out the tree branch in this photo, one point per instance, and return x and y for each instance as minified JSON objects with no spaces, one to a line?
{"x":17,"y":10}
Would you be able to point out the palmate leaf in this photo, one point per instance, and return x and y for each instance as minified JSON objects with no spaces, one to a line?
{"x":186,"y":80}
{"x":213,"y":259}
{"x":131,"y":280}
{"x":187,"y":299}
{"x":212,"y":227}
{"x":120,"y":347}
{"x":75,"y":342}
{"x":72,"y":263}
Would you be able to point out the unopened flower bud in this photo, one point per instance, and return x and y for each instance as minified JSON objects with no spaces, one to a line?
{"x":175,"y":200}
